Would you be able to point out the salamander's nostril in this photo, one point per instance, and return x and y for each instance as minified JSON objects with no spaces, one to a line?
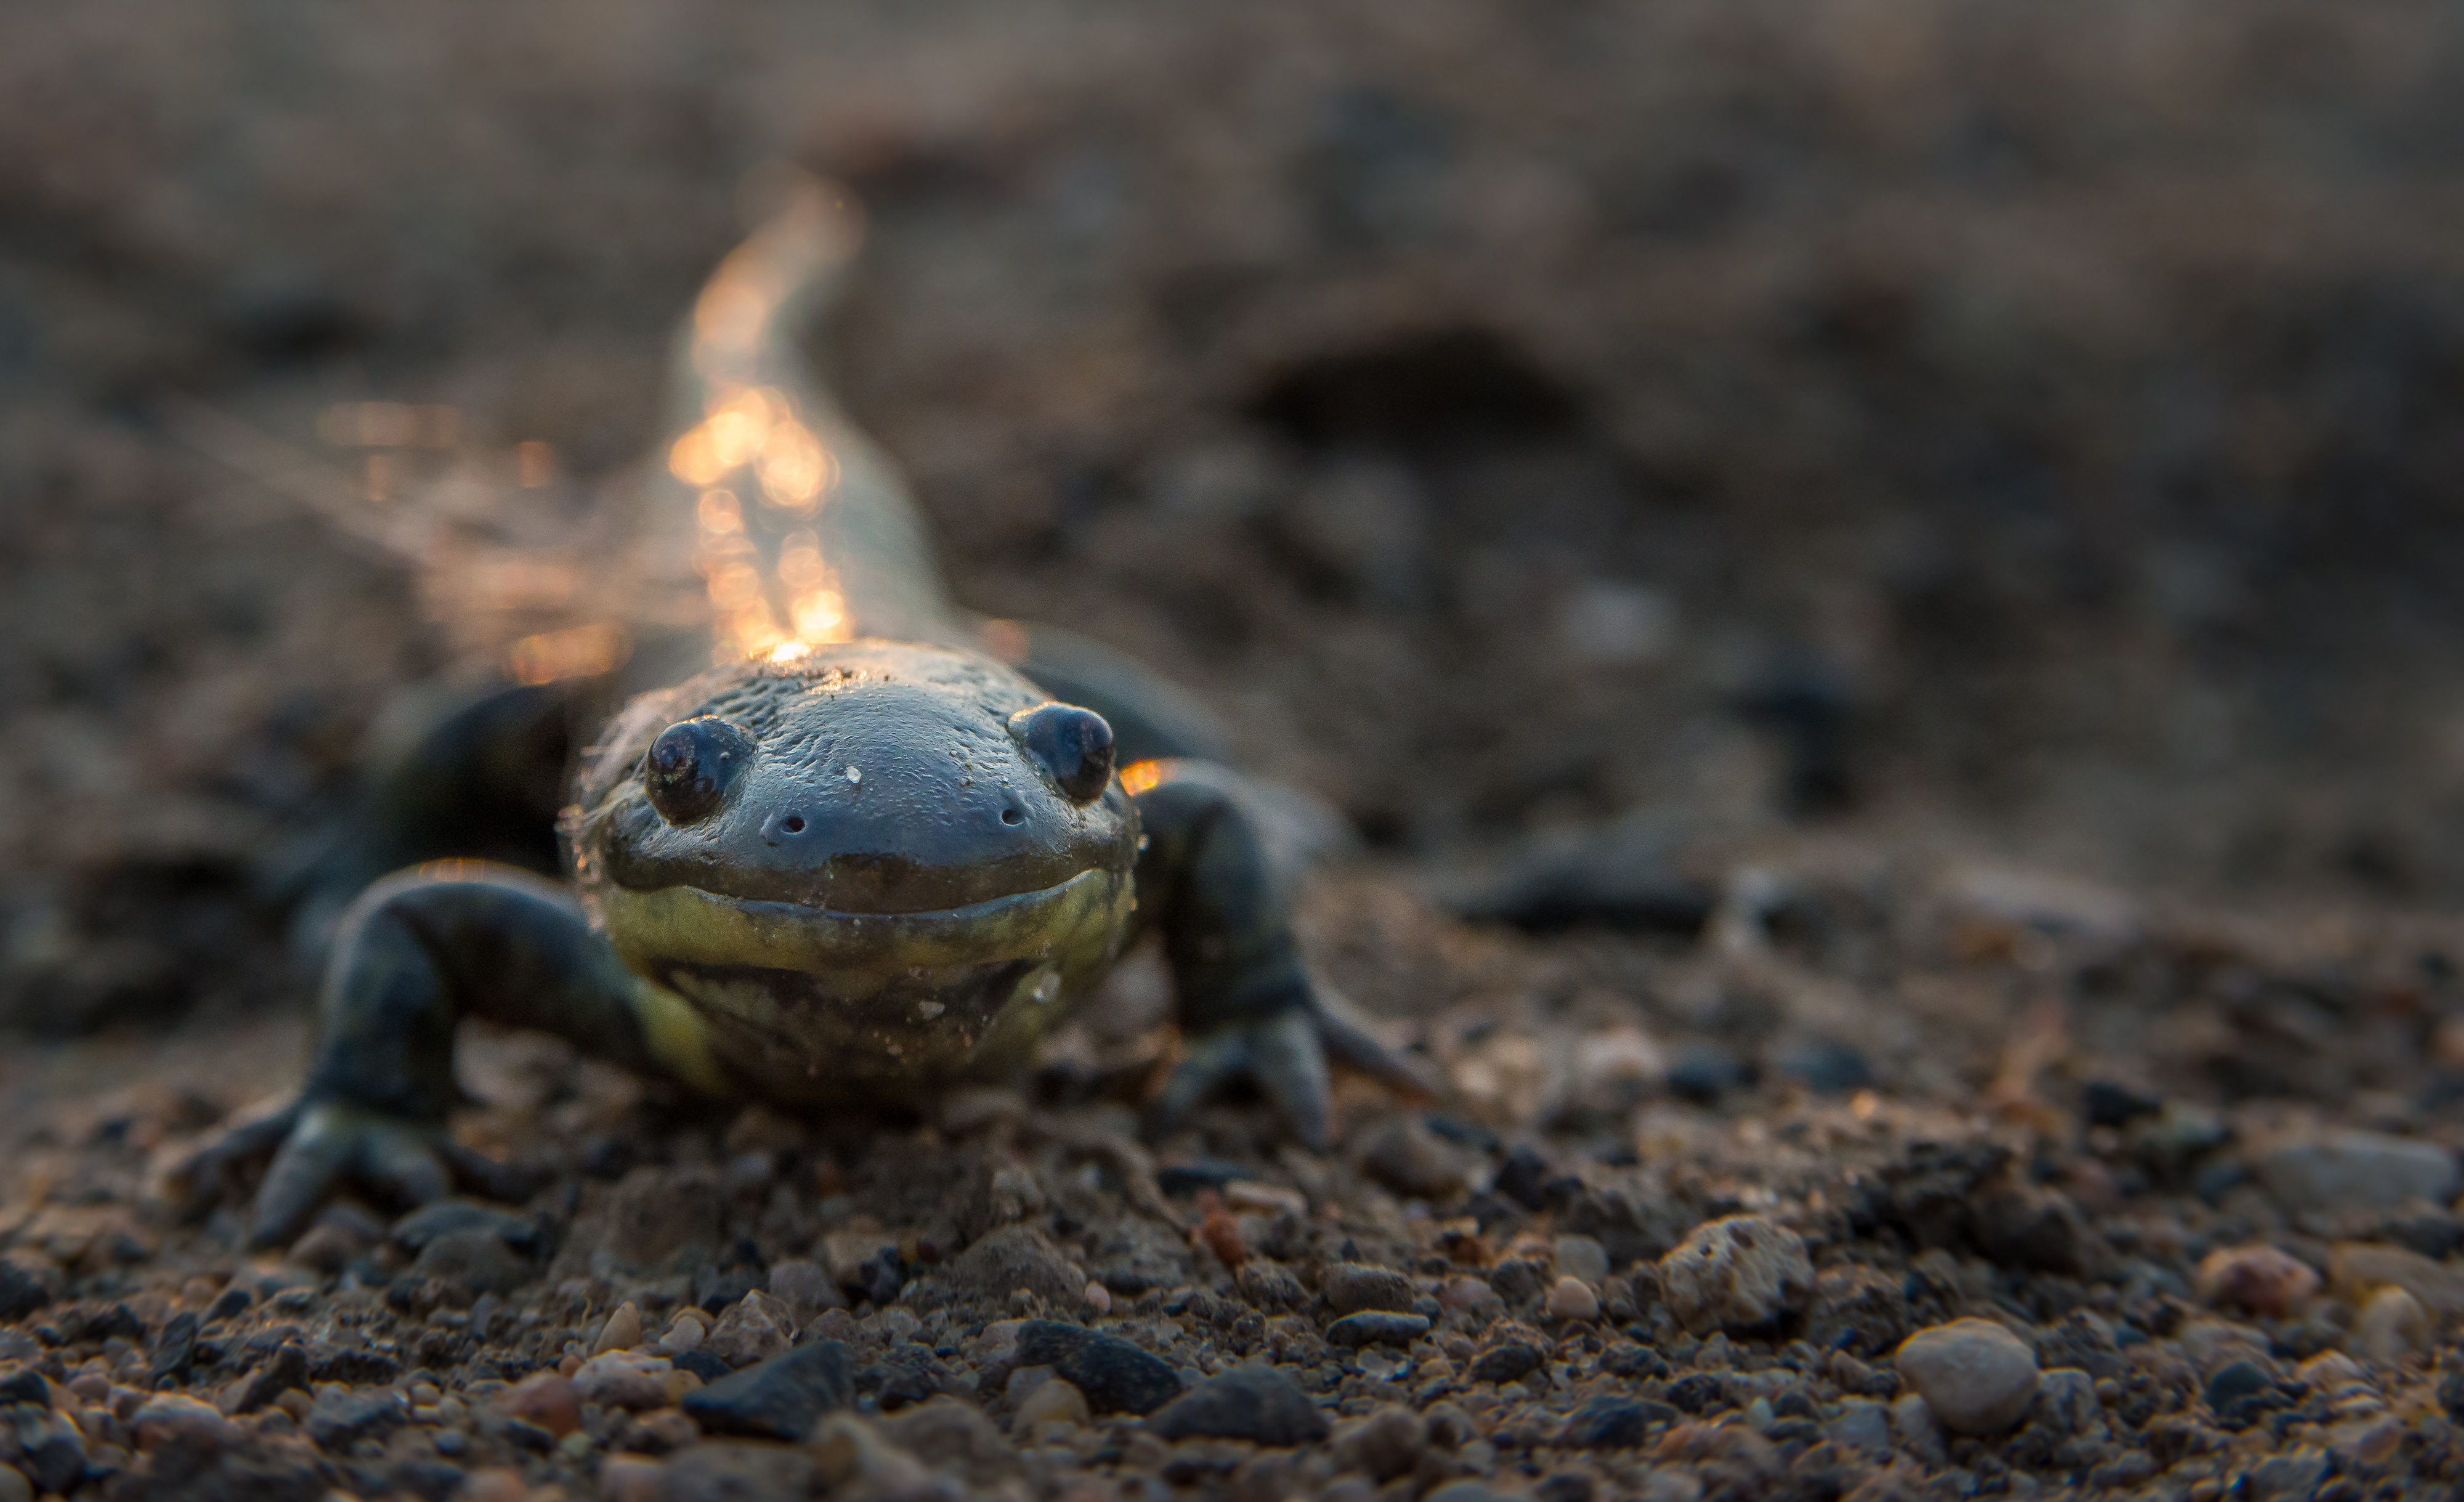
{"x":793,"y":824}
{"x":1013,"y":816}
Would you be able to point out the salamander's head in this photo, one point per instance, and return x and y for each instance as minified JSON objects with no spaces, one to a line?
{"x":860,"y":859}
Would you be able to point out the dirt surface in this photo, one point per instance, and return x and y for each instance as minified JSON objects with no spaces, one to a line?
{"x":1874,"y":580}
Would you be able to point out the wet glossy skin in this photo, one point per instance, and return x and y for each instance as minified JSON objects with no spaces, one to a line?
{"x":891,"y":884}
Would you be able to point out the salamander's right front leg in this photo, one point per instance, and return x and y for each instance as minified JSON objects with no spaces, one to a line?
{"x":415,"y":954}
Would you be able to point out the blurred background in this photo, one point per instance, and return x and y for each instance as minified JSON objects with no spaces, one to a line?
{"x":1934,"y":427}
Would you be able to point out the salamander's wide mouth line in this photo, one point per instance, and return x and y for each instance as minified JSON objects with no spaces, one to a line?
{"x":691,"y":926}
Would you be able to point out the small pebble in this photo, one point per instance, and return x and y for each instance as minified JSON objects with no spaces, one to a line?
{"x":1258,"y":1403}
{"x":1740,"y":1273}
{"x":631,"y":1478}
{"x":497,"y":1484}
{"x":2259,"y":1279}
{"x":782,"y":1398}
{"x":1581,"y":1257}
{"x":1264,"y":1199}
{"x":1377,"y":1327}
{"x":684,"y":1332}
{"x":1350,"y":1287}
{"x":623,"y":1331}
{"x":2392,"y":1326}
{"x":1572,"y":1299}
{"x":1116,"y":1375}
{"x":1976,"y":1376}
{"x":754,"y":1328}
{"x":168,"y":1418}
{"x":1220,"y":1232}
{"x":1099,"y":1298}
{"x":1054,"y":1401}
{"x":2340,"y":1171}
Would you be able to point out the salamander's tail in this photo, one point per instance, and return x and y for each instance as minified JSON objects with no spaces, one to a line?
{"x":800,"y":530}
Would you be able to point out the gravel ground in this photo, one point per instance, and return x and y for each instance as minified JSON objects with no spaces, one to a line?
{"x":1874,"y":579}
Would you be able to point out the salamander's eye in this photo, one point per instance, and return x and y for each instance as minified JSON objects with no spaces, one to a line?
{"x":1075,"y":743}
{"x":690,"y":765}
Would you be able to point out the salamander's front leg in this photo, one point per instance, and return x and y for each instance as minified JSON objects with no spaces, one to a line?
{"x":415,"y":954}
{"x":1247,"y":1005}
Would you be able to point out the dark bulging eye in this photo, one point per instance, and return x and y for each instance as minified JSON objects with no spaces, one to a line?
{"x":1075,"y":743}
{"x":691,"y":764}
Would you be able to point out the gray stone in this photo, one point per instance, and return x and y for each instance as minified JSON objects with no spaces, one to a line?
{"x":1377,"y":1327}
{"x":1383,"y":1446}
{"x":1976,"y":1376}
{"x":1350,"y":1287}
{"x":1258,"y":1403}
{"x":1409,"y":1158}
{"x":444,"y":1217}
{"x":2066,"y":1401}
{"x":476,"y":1257}
{"x":1611,"y":1421}
{"x":1016,"y":1257}
{"x":48,"y":1446}
{"x":1581,"y":1257}
{"x":1115,"y":1375}
{"x":955,"y":1437}
{"x":782,"y":1398}
{"x":2341,"y":1171}
{"x":1862,"y":1424}
{"x":2285,"y":1478}
{"x":341,"y":1416}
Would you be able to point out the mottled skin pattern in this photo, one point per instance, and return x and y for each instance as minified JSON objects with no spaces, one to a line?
{"x":826,"y":873}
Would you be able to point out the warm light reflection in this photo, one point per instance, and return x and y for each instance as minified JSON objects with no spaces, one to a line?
{"x":757,"y":425}
{"x":749,"y":423}
{"x":1140,"y":776}
{"x":579,"y":652}
{"x":719,"y":512}
{"x":793,"y":468}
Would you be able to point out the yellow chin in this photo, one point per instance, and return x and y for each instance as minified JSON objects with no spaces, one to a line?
{"x":807,"y":1005}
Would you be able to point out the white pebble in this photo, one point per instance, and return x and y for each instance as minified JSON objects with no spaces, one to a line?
{"x":1572,"y":1299}
{"x":1976,"y":1376}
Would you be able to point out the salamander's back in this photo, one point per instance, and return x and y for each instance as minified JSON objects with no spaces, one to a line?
{"x":762,"y":499}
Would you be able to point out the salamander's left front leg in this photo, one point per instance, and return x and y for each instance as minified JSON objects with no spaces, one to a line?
{"x":1247,"y":1005}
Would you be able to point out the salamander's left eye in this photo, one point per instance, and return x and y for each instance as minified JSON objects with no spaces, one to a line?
{"x":1075,"y":743}
{"x":691,"y":764}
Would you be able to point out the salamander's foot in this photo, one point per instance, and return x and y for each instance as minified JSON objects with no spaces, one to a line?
{"x":319,"y":1146}
{"x":1285,"y":1052}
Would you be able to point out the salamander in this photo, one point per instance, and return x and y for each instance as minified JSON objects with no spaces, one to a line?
{"x":858,"y":848}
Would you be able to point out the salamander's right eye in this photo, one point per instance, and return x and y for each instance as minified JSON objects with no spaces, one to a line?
{"x":691,"y":764}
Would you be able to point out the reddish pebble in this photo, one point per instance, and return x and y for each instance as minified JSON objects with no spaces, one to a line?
{"x":495,"y":1483}
{"x":630,"y":1478}
{"x":546,"y":1398}
{"x":2261,"y":1279}
{"x":1221,"y":1233}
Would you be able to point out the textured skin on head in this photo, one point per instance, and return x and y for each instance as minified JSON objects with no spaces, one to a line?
{"x":885,"y":779}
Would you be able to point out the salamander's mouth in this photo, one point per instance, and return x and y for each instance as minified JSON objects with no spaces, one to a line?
{"x":687,"y":927}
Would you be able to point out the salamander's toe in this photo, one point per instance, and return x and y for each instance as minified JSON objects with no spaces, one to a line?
{"x":325,"y":1145}
{"x":1287,"y":1055}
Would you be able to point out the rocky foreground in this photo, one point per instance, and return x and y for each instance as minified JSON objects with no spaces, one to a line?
{"x":2160,"y":1243}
